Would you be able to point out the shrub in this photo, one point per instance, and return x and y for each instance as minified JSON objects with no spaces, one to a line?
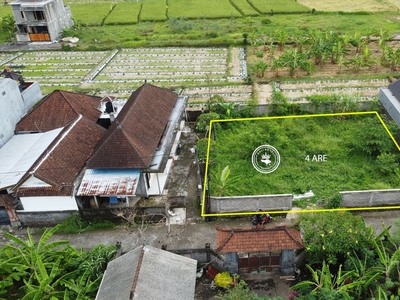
{"x":203,"y":121}
{"x":223,"y":280}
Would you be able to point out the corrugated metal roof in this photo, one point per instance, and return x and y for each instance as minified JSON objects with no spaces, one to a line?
{"x":109,"y":182}
{"x":20,"y":153}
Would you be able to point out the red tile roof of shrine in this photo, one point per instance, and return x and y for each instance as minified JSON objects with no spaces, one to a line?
{"x":257,"y":239}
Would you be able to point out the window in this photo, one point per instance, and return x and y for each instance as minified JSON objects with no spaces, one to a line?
{"x":22,"y":15}
{"x":38,"y":15}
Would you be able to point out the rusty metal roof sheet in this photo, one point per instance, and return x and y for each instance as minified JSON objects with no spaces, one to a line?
{"x":109,"y":182}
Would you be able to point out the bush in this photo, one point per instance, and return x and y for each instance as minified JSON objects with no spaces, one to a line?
{"x":223,"y":280}
{"x":203,"y":121}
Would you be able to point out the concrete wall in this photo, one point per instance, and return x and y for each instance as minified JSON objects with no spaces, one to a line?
{"x":12,"y":108}
{"x":14,"y":105}
{"x":31,"y":95}
{"x":391,"y":104}
{"x":50,"y":203}
{"x":371,"y":198}
{"x":43,"y":218}
{"x":250,"y":203}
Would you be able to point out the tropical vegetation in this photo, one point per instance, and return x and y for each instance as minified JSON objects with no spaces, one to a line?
{"x":347,"y":262}
{"x":51,"y":270}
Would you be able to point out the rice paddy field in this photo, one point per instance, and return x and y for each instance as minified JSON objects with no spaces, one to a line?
{"x":351,"y":6}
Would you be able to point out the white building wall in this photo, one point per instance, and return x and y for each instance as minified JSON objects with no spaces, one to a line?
{"x":14,"y":105}
{"x":54,"y":203}
{"x":31,"y":95}
{"x":11,"y":108}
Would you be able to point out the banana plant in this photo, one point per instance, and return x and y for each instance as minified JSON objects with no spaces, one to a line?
{"x":323,"y":279}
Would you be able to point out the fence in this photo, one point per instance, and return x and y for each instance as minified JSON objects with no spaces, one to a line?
{"x":250,"y":203}
{"x":370,"y":198}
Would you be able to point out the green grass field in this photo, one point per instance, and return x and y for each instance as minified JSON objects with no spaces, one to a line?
{"x":193,"y":9}
{"x":282,"y":6}
{"x":245,"y":8}
{"x":359,"y":154}
{"x":153,"y":10}
{"x":83,"y":13}
{"x":5,"y":10}
{"x":124,"y":13}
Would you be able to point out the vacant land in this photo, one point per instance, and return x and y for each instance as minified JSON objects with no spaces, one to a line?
{"x":325,"y":154}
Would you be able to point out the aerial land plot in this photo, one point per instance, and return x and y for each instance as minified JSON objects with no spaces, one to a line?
{"x":124,"y":13}
{"x":192,"y":9}
{"x":284,"y":6}
{"x":84,"y":14}
{"x":325,"y":153}
{"x":153,"y":10}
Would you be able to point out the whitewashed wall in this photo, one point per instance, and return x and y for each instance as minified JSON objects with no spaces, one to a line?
{"x":55,"y":203}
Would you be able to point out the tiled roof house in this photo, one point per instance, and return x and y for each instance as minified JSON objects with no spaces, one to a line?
{"x":258,"y":249}
{"x":133,"y":138}
{"x":134,"y":156}
{"x":50,"y":182}
{"x":59,"y":109}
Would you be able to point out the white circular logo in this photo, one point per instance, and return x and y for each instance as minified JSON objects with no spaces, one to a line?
{"x":265,"y":159}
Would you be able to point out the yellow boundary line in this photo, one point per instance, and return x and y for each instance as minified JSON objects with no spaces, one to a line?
{"x":291,"y":117}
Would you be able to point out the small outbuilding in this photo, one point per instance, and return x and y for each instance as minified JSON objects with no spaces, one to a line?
{"x":259,"y":250}
{"x":149,"y":273}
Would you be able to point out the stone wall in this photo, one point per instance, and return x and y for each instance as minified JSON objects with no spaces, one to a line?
{"x":371,"y":198}
{"x":250,"y":203}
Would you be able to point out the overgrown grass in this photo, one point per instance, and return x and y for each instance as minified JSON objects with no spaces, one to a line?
{"x":360,"y":155}
{"x":75,"y":224}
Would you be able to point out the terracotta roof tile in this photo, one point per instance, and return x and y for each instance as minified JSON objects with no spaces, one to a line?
{"x":133,"y":137}
{"x":67,"y":154}
{"x":257,"y":239}
{"x":45,"y":191}
{"x":58,"y":109}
